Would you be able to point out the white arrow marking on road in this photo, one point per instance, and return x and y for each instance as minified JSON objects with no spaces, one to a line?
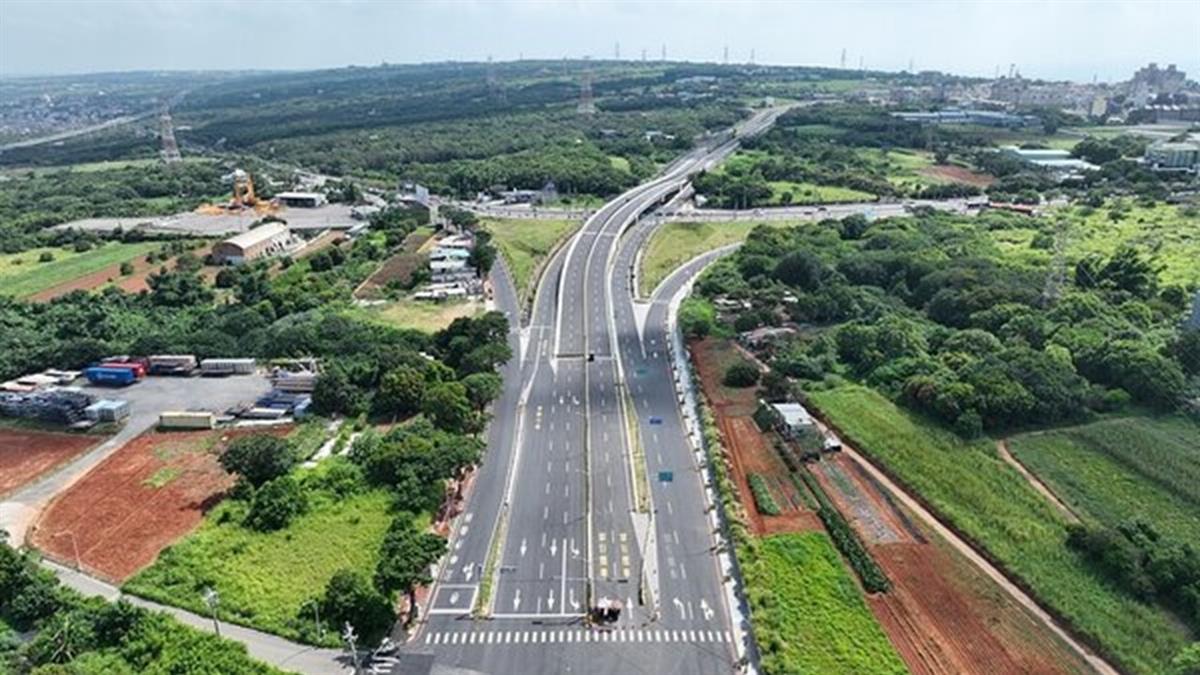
{"x":553,"y":547}
{"x":551,"y":598}
{"x":522,"y":547}
{"x":574,"y":549}
{"x":468,"y":571}
{"x":454,"y":597}
{"x":708,"y":613}
{"x":517,"y":600}
{"x":574,"y":602}
{"x":679,"y":606}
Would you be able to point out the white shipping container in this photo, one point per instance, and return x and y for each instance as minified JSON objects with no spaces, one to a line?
{"x":224,"y":366}
{"x":264,"y":413}
{"x":187,"y":420}
{"x":295,"y":382}
{"x":173,"y":360}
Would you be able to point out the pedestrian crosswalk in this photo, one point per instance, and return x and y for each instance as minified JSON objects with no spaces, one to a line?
{"x":573,"y":635}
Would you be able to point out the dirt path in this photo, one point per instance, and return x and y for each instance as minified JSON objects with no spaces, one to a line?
{"x":1002,"y":450}
{"x":1096,"y":662}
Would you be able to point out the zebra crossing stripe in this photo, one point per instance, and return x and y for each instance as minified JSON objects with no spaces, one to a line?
{"x":564,"y":636}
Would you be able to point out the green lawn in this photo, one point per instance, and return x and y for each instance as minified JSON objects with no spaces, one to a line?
{"x":264,"y":579}
{"x":1119,"y":470}
{"x":21,"y":274}
{"x":525,"y":243}
{"x":970,"y":487}
{"x":809,"y":615}
{"x":424,"y":315}
{"x":676,"y":243}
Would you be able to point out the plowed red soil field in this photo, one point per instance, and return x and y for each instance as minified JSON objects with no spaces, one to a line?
{"x":943,"y":615}
{"x":26,"y":455}
{"x":750,"y":451}
{"x":145,"y":496}
{"x":958,"y":174}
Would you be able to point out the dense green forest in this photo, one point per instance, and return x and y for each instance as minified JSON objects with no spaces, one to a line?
{"x":63,"y":632}
{"x":931,"y":311}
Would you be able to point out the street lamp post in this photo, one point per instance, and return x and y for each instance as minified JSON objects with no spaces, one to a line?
{"x":213,"y":599}
{"x":317,"y":617}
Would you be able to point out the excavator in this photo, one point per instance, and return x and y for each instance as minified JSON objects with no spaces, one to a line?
{"x":243,"y":196}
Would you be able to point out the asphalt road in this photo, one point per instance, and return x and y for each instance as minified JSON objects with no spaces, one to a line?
{"x":555,"y":502}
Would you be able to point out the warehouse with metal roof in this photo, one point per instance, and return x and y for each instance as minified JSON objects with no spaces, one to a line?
{"x":264,"y":240}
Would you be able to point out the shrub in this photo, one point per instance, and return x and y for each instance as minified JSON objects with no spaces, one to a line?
{"x":46,"y":257}
{"x":275,"y":504}
{"x":741,"y":374}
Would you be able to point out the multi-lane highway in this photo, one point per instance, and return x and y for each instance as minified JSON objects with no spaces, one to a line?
{"x":590,"y":490}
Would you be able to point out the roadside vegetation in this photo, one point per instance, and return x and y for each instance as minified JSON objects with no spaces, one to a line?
{"x":48,"y":628}
{"x":676,"y":243}
{"x":525,"y":245}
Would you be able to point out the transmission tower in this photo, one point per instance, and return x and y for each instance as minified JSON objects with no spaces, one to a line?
{"x":170,"y":149}
{"x":725,"y":56}
{"x":617,"y":50}
{"x":752,"y":56}
{"x":495,"y":91}
{"x":664,"y":52}
{"x":587,"y":106}
{"x":1056,"y":277}
{"x":910,"y":66}
{"x":643,"y":55}
{"x":843,"y":58}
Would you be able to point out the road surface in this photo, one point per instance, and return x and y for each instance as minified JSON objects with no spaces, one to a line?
{"x":559,"y":505}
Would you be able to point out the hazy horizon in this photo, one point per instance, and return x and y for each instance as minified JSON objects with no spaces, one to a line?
{"x":1045,"y":40}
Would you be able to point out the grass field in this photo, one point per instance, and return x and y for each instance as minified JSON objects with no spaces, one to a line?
{"x":525,"y":243}
{"x":423,"y":315}
{"x":811,"y":193}
{"x":809,"y":615}
{"x":987,"y":500}
{"x":21,"y":274}
{"x":1171,"y":233}
{"x":265,"y":579}
{"x":1119,"y":470}
{"x":676,"y":243}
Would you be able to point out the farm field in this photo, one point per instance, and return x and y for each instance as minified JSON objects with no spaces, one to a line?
{"x":152,"y":491}
{"x":944,"y":616}
{"x":988,"y":501}
{"x":526,"y":243}
{"x":750,"y":450}
{"x":398,"y":268}
{"x":265,"y":578}
{"x":675,"y":243}
{"x":1120,"y":470}
{"x":809,"y":614}
{"x":27,"y":454}
{"x":22,"y":275}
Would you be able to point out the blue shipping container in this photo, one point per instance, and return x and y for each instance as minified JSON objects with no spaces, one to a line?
{"x":110,"y":376}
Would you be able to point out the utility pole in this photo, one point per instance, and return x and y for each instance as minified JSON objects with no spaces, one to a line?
{"x":350,"y":639}
{"x":317,"y":617}
{"x":213,"y":600}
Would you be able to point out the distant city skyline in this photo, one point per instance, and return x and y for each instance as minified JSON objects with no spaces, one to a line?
{"x":1076,"y":41}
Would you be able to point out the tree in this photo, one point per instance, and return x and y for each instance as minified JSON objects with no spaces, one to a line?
{"x":126,"y":268}
{"x":350,"y":597}
{"x":800,"y":269}
{"x":446,"y":403}
{"x":276,"y":503}
{"x":405,"y":557}
{"x":401,"y":391}
{"x":483,"y":388}
{"x":1187,"y":661}
{"x":741,"y":374}
{"x":697,"y":317}
{"x":258,"y":458}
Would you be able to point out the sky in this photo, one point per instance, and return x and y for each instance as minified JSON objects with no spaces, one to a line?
{"x":1048,"y":39}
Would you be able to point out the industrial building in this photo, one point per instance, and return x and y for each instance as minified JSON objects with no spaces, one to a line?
{"x":1164,"y":156}
{"x":303,"y":200}
{"x":985,"y":118}
{"x":264,"y":240}
{"x":1059,"y":162}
